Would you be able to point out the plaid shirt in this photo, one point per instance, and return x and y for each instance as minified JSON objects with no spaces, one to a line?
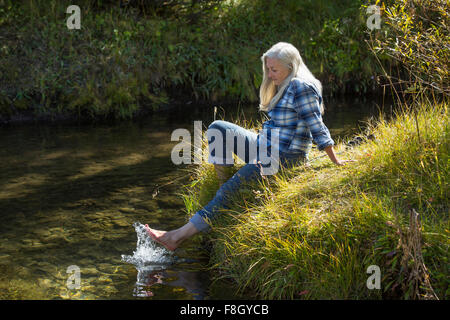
{"x":298,"y":118}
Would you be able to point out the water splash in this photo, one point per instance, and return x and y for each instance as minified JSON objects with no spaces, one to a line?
{"x":150,"y":261}
{"x":147,"y":253}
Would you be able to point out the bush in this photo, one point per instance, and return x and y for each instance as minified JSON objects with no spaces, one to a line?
{"x":417,"y":39}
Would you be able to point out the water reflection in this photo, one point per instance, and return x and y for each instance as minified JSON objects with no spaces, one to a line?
{"x":152,"y":262}
{"x":147,"y":277}
{"x":151,"y":278}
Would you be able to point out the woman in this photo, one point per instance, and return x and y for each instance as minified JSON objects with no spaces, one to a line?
{"x":292,"y":97}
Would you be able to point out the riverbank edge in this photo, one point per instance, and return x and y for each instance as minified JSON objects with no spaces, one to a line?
{"x":175,"y":103}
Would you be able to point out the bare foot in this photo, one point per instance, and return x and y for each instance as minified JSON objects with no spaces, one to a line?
{"x":172,"y":239}
{"x":164,"y":238}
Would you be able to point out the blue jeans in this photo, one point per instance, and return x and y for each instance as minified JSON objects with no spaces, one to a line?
{"x":248,"y":173}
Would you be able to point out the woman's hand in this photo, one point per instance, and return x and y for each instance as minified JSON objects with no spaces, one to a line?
{"x":330,"y":152}
{"x":343,"y":162}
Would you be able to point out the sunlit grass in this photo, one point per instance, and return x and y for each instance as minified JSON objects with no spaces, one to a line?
{"x":312,"y":232}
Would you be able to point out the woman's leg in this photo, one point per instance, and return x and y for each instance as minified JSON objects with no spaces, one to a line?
{"x":202,"y":219}
{"x":224,"y":138}
{"x":248,"y":173}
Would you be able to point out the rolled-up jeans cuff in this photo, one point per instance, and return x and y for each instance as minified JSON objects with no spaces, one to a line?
{"x":199,"y":222}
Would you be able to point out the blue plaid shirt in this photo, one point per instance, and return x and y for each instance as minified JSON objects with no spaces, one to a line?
{"x":298,"y":118}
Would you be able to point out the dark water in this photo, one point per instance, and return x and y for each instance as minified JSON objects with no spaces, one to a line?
{"x":69,"y":195}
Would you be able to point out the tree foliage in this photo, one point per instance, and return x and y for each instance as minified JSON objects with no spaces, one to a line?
{"x":417,"y":38}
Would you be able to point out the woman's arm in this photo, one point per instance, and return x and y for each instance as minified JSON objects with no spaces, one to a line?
{"x":308,"y":107}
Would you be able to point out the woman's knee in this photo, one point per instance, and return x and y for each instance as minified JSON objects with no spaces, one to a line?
{"x":218,"y":124}
{"x":215,"y":129}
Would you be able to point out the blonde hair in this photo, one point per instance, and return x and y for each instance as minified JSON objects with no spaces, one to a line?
{"x":290,"y":57}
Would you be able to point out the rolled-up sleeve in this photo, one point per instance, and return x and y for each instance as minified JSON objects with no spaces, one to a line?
{"x":307,"y":105}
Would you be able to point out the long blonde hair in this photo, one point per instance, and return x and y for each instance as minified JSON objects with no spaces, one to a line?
{"x":288,"y":55}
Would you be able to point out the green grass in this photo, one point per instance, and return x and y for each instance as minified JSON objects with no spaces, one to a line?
{"x":312,"y":232}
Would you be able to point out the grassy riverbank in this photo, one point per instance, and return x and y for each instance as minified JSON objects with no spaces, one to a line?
{"x":123,"y":63}
{"x":312,"y":232}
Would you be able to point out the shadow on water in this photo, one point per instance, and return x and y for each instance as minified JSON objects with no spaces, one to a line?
{"x":71,"y":195}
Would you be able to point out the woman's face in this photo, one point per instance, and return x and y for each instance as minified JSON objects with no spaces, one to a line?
{"x":277,"y":71}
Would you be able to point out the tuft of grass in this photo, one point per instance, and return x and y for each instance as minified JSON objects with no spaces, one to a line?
{"x":311,"y":232}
